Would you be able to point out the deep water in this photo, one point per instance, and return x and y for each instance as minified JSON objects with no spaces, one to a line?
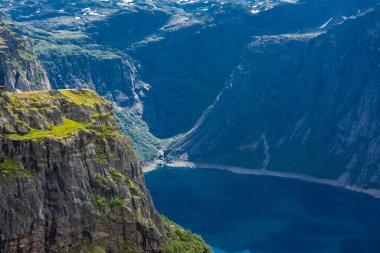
{"x":248,"y":213}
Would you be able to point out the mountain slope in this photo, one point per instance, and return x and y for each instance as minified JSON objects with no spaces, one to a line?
{"x":304,"y":103}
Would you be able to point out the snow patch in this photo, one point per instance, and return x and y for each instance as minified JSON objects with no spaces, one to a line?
{"x":326,"y":24}
{"x":126,"y":3}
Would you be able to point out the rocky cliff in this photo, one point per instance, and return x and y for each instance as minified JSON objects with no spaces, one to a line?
{"x":19,"y":66}
{"x":70,"y":180}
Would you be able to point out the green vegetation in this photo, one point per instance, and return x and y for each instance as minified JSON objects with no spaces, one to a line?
{"x":103,"y":181}
{"x":182,"y":240}
{"x":117,"y":202}
{"x":26,"y":56}
{"x":88,"y":248}
{"x":3,"y":45}
{"x":116,"y":174}
{"x":46,"y":48}
{"x":146,"y":145}
{"x":101,"y":202}
{"x":114,"y":178}
{"x":9,"y":168}
{"x":89,"y":98}
{"x":36,"y":103}
{"x":78,"y":97}
{"x":112,"y":204}
{"x":68,"y":128}
{"x":24,"y":100}
{"x":128,"y":181}
{"x":135,"y":196}
{"x":136,"y":216}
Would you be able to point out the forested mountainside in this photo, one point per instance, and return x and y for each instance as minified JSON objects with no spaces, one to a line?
{"x":305,"y":103}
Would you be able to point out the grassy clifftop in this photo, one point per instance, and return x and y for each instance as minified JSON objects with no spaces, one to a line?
{"x":55,"y":114}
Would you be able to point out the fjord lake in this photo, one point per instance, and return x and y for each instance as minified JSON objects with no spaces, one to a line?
{"x":250,"y":213}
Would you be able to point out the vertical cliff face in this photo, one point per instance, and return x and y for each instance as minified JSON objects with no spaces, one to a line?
{"x":69,"y":178}
{"x":71,"y":182}
{"x":19,"y":66}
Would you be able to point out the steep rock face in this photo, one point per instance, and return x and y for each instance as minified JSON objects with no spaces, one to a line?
{"x":304,"y":103}
{"x":112,"y":74}
{"x":69,"y":179}
{"x":19,"y":67}
{"x":186,"y":63}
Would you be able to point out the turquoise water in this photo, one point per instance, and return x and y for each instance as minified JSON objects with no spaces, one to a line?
{"x":248,"y":213}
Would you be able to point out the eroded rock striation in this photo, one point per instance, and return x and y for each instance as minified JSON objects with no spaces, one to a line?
{"x":68,"y":177}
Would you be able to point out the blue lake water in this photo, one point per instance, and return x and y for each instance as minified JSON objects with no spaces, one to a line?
{"x":248,"y":213}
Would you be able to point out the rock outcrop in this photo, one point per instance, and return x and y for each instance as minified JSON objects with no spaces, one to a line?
{"x":68,"y":177}
{"x":19,"y":66}
{"x":70,"y":180}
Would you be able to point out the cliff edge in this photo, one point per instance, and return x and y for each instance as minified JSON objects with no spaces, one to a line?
{"x":70,"y":180}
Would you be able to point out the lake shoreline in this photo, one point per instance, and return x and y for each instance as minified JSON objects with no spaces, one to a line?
{"x":260,"y":172}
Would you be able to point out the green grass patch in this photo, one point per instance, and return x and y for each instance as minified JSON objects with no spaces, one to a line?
{"x":88,"y":248}
{"x":40,"y":100}
{"x":68,"y":128}
{"x":9,"y":168}
{"x":103,"y":181}
{"x":116,"y":203}
{"x":135,"y":196}
{"x":129,"y":182}
{"x":115,"y":174}
{"x":101,"y":202}
{"x":3,"y":45}
{"x":27,"y":56}
{"x":88,"y":98}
